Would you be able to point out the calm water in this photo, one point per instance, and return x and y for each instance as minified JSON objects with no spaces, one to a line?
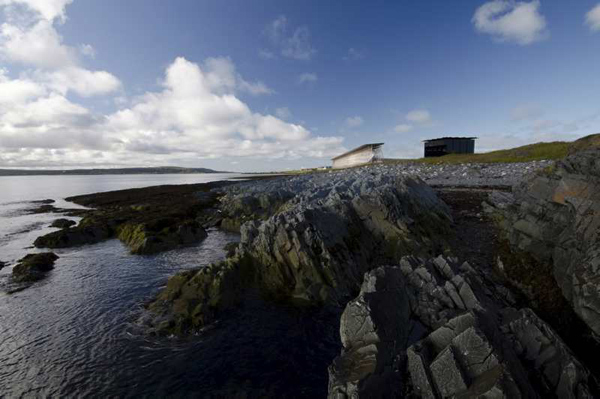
{"x":74,"y":334}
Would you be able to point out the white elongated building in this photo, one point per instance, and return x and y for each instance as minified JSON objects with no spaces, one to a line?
{"x":366,"y":153}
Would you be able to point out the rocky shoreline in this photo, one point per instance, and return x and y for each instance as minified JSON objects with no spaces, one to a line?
{"x":464,"y":281}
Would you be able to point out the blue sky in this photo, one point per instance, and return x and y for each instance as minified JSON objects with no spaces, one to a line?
{"x":265,"y":85}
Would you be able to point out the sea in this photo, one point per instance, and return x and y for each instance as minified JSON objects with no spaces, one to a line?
{"x":75,"y":334}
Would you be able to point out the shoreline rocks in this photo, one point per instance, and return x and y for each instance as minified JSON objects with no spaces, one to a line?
{"x":63,"y":223}
{"x":33,"y":267}
{"x":554,"y":218}
{"x":147,"y":220}
{"x":314,"y":248}
{"x":435,"y":329}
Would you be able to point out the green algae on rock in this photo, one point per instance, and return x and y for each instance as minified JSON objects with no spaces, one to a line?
{"x":147,"y":220}
{"x":312,"y":249}
{"x":33,"y":267}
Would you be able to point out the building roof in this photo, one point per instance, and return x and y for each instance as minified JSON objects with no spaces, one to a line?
{"x":362,"y":147}
{"x":451,"y":138}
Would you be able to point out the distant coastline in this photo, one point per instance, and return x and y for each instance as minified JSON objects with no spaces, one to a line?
{"x":115,"y":171}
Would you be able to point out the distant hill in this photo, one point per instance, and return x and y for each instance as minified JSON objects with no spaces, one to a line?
{"x":117,"y":171}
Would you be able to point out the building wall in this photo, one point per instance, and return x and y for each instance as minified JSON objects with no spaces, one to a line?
{"x":357,"y":158}
{"x":449,"y":146}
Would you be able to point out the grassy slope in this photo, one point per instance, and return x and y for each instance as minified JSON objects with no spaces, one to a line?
{"x":531,"y":152}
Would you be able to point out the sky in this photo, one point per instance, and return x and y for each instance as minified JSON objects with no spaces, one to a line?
{"x":283,"y":84}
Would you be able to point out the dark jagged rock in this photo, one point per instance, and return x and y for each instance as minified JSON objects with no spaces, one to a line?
{"x":73,"y":237}
{"x":316,"y":246}
{"x":144,"y":240}
{"x":33,"y":267}
{"x":63,"y":223}
{"x":554,"y":218}
{"x":147,"y":220}
{"x":230,"y":248}
{"x":437,"y":329}
{"x":2,"y":264}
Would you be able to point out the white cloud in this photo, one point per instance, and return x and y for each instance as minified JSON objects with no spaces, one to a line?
{"x":403,"y":128}
{"x":511,"y":21}
{"x":592,"y":18}
{"x":38,"y":45}
{"x":354,"y":54}
{"x":419,"y":116}
{"x":283,"y":113}
{"x":222,"y":77}
{"x":354,"y":121}
{"x":196,"y":114}
{"x":34,"y":42}
{"x":47,"y":9}
{"x":308,"y":78}
{"x":17,"y":91}
{"x":295,"y":45}
{"x":82,"y":81}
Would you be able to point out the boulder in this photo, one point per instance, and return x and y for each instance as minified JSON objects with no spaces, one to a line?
{"x":436,"y":328}
{"x":145,"y":239}
{"x":63,"y":223}
{"x":316,"y":247}
{"x":72,"y":237}
{"x":33,"y":267}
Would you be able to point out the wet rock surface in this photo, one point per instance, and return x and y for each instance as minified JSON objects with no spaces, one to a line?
{"x":33,"y":267}
{"x":314,"y":248}
{"x":147,"y":220}
{"x":63,"y":223}
{"x":437,"y":328}
{"x":553,"y":219}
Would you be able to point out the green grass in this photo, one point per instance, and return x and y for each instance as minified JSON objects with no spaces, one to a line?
{"x":531,"y":152}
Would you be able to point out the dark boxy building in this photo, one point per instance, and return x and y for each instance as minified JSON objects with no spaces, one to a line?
{"x":449,"y":145}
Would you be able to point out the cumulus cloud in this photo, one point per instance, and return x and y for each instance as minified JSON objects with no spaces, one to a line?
{"x":420,"y":116}
{"x":592,"y":18}
{"x":416,"y":117}
{"x":354,"y":121}
{"x":511,"y":21}
{"x":222,"y":76}
{"x":17,"y":91}
{"x":38,"y":45}
{"x":307,"y":78}
{"x":46,"y":9}
{"x":196,"y":114}
{"x":32,"y":40}
{"x":292,"y":43}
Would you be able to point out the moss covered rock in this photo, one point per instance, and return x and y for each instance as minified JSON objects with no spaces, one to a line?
{"x":63,"y":223}
{"x":315,"y":248}
{"x":34,"y":267}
